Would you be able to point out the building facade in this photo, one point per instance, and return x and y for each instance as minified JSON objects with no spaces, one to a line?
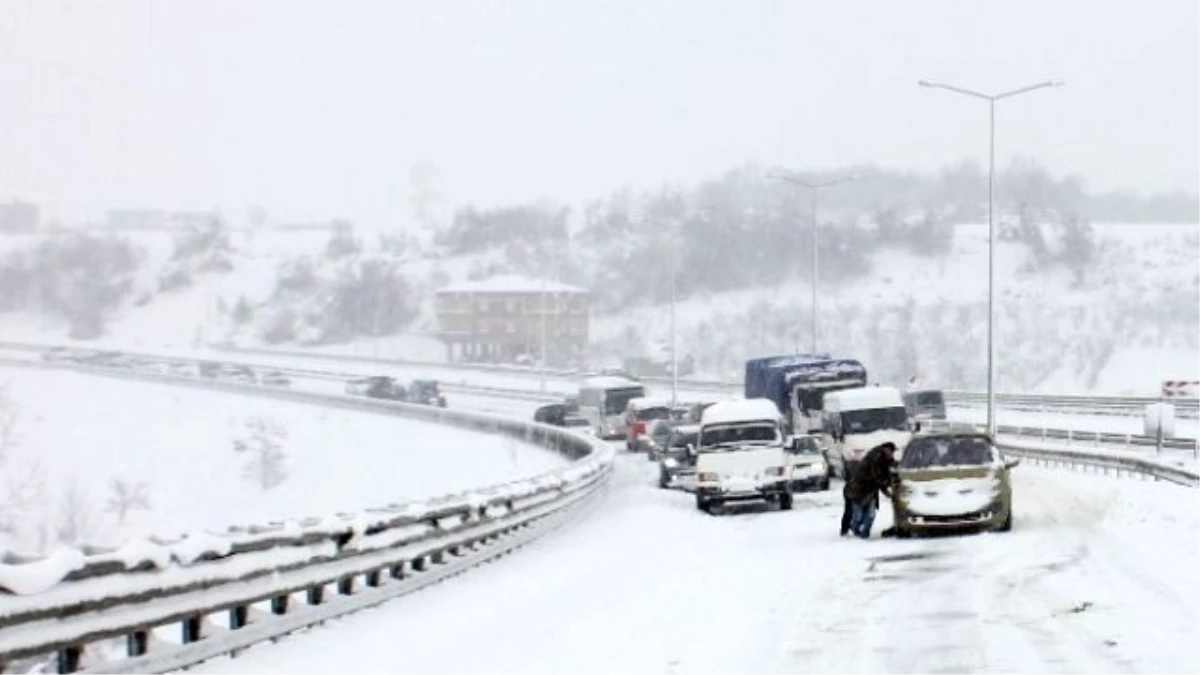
{"x":504,"y":318}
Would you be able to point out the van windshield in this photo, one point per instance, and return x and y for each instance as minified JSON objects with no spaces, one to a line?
{"x":742,"y":434}
{"x":616,"y":400}
{"x":877,"y":419}
{"x":930,"y":398}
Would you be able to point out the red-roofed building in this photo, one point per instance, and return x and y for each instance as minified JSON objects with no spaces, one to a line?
{"x":500,"y":318}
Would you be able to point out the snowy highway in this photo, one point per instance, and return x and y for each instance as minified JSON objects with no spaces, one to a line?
{"x":1099,"y":575}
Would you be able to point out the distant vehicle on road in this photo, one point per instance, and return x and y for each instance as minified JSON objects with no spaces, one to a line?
{"x":603,"y":400}
{"x":377,"y":386}
{"x":677,"y":458}
{"x":925,"y":404}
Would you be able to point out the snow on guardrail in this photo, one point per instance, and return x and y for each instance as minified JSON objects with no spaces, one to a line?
{"x":96,"y":609}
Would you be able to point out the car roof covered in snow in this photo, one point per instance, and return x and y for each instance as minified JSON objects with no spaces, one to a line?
{"x":865,"y":398}
{"x":609,"y":382}
{"x":743,"y":410}
{"x":644,"y":402}
{"x":511,"y":283}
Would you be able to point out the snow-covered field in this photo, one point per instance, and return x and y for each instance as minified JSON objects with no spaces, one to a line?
{"x":1099,"y":575}
{"x":75,"y":435}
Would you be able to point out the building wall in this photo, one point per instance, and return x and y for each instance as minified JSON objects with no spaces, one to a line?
{"x":512,"y":321}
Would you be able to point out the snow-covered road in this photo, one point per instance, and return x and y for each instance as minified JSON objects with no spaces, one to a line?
{"x":1099,"y":575}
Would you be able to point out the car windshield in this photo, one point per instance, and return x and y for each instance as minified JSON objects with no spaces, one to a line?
{"x":949,"y":451}
{"x":617,"y":400}
{"x":741,"y":434}
{"x":807,"y":445}
{"x":877,"y":419}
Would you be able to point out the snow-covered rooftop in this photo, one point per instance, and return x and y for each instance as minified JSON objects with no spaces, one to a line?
{"x":866,"y":398}
{"x":511,"y":283}
{"x":743,"y":410}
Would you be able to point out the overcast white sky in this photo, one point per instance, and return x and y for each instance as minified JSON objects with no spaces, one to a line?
{"x":319,"y":109}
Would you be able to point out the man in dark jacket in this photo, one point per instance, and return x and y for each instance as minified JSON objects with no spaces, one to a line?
{"x":872,"y":476}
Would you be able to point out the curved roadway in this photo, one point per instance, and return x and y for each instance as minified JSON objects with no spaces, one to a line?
{"x":1099,"y":575}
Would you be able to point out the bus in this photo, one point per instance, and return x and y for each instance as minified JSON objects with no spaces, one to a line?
{"x":602,"y":400}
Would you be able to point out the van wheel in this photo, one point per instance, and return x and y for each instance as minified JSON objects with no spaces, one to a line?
{"x":702,"y":504}
{"x":785,"y":501}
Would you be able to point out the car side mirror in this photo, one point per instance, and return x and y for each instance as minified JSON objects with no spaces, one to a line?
{"x":1011,"y":463}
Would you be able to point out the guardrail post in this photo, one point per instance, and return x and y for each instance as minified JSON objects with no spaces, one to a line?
{"x":238,"y":616}
{"x":316,"y":594}
{"x":279,"y":604}
{"x":397,"y":570}
{"x":137,"y":642}
{"x":373,"y":578}
{"x":191,"y":629}
{"x":68,"y":659}
{"x":345,"y":585}
{"x":418,"y":564}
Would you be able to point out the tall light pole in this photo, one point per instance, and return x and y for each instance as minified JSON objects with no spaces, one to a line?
{"x":814,"y":189}
{"x":991,"y":342}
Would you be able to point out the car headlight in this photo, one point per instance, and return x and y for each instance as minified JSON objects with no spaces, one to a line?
{"x":817,"y":466}
{"x":706,"y":477}
{"x":670,"y":463}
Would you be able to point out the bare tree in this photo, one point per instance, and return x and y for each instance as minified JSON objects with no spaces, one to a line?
{"x":75,"y":515}
{"x":264,"y":444}
{"x":125,"y":496}
{"x":24,"y":492}
{"x":10,"y":414}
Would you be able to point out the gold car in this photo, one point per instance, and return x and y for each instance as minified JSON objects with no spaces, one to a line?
{"x":952,"y":481}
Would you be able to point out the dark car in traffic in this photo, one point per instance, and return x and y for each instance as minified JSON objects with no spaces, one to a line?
{"x":677,"y":459}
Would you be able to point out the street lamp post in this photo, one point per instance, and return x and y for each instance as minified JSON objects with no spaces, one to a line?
{"x":991,"y":343}
{"x":814,"y":189}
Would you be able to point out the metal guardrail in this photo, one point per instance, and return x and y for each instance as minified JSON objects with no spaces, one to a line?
{"x":1102,"y":462}
{"x":272,"y":579}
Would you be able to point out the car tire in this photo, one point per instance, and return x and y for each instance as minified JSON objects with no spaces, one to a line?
{"x":785,"y":501}
{"x":702,"y":504}
{"x":663,"y":480}
{"x":1006,"y":526}
{"x":902,"y":533}
{"x":824,"y":486}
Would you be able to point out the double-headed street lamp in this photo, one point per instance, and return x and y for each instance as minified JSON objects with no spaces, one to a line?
{"x":991,"y":99}
{"x":814,"y":189}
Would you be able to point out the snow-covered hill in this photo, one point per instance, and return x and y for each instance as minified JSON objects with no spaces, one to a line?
{"x":1130,"y":320}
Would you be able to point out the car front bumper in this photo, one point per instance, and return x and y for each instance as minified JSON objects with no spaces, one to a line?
{"x":984,"y":519}
{"x":742,"y":491}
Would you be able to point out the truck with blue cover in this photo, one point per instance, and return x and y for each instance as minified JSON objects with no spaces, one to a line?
{"x":797,"y":384}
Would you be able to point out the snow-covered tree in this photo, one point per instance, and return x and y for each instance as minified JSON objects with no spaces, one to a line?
{"x":263,"y":443}
{"x":125,"y":496}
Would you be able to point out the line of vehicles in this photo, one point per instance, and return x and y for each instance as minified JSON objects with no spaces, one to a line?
{"x":419,"y":391}
{"x":804,"y":420}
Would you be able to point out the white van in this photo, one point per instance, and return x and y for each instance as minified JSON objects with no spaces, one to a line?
{"x":857,"y":420}
{"x":603,"y":401}
{"x":740,"y":455}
